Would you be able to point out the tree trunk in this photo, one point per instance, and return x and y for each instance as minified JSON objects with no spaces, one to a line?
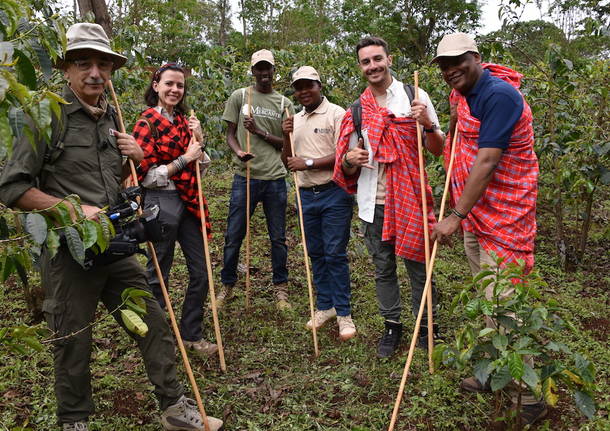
{"x":99,"y":10}
{"x":223,"y":12}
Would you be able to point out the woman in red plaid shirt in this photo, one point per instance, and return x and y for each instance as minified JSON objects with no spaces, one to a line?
{"x":168,"y":174}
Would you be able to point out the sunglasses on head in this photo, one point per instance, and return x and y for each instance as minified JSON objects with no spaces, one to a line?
{"x":167,"y":66}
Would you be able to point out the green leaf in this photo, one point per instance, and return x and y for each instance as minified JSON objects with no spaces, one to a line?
{"x":89,"y":230}
{"x":7,"y":268}
{"x":75,"y":202}
{"x":25,"y":69}
{"x":507,"y":322}
{"x":52,"y":242}
{"x":472,"y":308}
{"x":548,"y":391}
{"x":515,"y":365}
{"x":585,"y":404}
{"x":44,"y":60}
{"x":487,"y":307}
{"x":75,"y":244}
{"x":107,"y":227}
{"x":486,"y":331}
{"x":500,"y":378}
{"x":530,"y":377}
{"x":585,"y":368}
{"x":63,"y":212}
{"x":36,"y":225}
{"x":481,"y":275}
{"x":481,"y":370}
{"x":134,"y":323}
{"x":500,"y":341}
{"x":19,"y":263}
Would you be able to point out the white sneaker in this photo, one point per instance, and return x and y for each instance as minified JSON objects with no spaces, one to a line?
{"x":321,"y":317}
{"x":347,"y":329}
{"x":184,"y":416}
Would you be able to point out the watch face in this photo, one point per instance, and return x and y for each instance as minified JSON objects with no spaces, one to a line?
{"x":309,"y":162}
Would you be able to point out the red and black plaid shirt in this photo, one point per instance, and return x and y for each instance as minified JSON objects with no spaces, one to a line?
{"x":173,"y":141}
{"x":504,"y":218}
{"x":393,"y":141}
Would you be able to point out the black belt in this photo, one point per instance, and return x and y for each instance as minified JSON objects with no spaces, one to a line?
{"x":319,"y":188}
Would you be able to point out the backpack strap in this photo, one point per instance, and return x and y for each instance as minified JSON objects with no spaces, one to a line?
{"x":282,"y":107}
{"x":356,"y":109}
{"x":410,"y":92}
{"x":153,"y":130}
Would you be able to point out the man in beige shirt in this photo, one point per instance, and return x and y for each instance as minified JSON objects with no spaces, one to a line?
{"x":327,"y":209}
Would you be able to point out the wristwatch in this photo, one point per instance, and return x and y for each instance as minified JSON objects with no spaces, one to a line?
{"x":432,"y":129}
{"x":309,"y":163}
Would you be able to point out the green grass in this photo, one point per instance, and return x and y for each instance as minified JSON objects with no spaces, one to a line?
{"x":273,"y":381}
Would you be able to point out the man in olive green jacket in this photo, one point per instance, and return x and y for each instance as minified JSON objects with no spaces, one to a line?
{"x":90,"y":160}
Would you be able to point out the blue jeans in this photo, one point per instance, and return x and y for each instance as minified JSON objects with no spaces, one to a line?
{"x":272,"y":193}
{"x":327,"y":216}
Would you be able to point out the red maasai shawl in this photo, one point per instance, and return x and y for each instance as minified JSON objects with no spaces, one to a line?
{"x":173,"y":141}
{"x":504,"y":218}
{"x":393,"y":141}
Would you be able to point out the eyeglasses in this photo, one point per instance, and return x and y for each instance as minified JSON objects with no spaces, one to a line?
{"x":84,"y":65}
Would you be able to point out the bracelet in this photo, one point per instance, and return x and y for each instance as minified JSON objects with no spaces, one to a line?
{"x":431,"y":129}
{"x":266,"y":136}
{"x":458,"y":214}
{"x":346,"y":163}
{"x":180,"y":163}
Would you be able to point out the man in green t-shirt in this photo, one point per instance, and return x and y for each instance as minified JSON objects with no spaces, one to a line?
{"x":263,"y":120}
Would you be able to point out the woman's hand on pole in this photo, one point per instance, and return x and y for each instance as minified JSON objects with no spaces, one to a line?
{"x":195,"y":127}
{"x":194,"y":151}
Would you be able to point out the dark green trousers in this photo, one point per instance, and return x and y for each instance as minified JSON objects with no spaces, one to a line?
{"x":71,"y":298}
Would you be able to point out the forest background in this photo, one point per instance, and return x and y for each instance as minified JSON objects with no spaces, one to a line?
{"x":273,"y":382}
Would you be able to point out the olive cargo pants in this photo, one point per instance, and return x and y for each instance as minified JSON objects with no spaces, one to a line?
{"x":71,"y":298}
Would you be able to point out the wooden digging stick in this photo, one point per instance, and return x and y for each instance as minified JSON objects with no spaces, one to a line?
{"x":170,"y":310}
{"x":305,"y":255}
{"x":248,"y":203}
{"x":426,"y":289}
{"x":208,"y":262}
{"x":424,"y":206}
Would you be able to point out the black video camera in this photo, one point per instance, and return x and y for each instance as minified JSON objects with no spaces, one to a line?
{"x":130,"y":231}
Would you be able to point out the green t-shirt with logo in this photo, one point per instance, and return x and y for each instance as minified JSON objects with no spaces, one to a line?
{"x":268,"y":110}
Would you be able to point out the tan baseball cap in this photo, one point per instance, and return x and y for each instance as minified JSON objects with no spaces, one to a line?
{"x":305,"y":72}
{"x":86,"y":35}
{"x":262,"y":55}
{"x":452,"y":45}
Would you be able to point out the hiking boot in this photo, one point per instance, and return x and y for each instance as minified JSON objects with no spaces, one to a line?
{"x":321,"y":317}
{"x":532,"y":413}
{"x":422,"y":340}
{"x":201,"y":348}
{"x":390,"y":340}
{"x":347,"y":329}
{"x":472,"y":384}
{"x":281,"y":295}
{"x":76,"y":426}
{"x":222,"y":296}
{"x":184,"y":415}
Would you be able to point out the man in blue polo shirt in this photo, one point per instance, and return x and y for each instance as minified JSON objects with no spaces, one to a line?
{"x":494,"y":180}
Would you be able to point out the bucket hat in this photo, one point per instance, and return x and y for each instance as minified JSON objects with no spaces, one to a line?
{"x":89,"y":36}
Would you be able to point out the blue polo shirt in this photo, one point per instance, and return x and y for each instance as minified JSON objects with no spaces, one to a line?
{"x":498,"y":106}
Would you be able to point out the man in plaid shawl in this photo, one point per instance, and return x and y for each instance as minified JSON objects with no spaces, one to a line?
{"x":494,"y":183}
{"x":383,"y":169}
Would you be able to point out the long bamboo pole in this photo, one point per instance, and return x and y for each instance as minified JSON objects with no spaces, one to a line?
{"x":248,"y":203}
{"x":208,"y":262}
{"x":424,"y":206}
{"x":426,"y":289}
{"x":170,"y":310}
{"x":305,"y":254}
